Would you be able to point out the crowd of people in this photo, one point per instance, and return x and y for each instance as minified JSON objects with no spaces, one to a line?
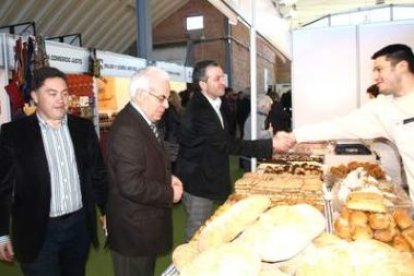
{"x":161,"y":149}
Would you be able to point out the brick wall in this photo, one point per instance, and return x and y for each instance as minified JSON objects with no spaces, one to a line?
{"x":172,"y":32}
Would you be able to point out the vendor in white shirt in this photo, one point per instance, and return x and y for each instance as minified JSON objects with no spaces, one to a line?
{"x":390,"y":115}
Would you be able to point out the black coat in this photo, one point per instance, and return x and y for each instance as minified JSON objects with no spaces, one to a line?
{"x":203,"y":157}
{"x":140,"y":193}
{"x":25,"y":181}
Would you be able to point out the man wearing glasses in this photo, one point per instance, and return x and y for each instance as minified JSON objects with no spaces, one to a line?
{"x":142,"y":190}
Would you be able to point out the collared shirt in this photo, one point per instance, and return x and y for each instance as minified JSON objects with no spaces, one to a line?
{"x":137,"y":108}
{"x":216,"y":104}
{"x":151,"y":124}
{"x":66,"y":196}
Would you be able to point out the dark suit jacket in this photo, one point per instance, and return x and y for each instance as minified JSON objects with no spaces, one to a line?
{"x":25,"y":181}
{"x":140,"y":194}
{"x":203,"y":157}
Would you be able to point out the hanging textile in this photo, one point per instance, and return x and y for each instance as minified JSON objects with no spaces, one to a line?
{"x":13,"y":88}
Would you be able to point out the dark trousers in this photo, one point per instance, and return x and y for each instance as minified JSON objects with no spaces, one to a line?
{"x":65,"y":248}
{"x":133,"y":266}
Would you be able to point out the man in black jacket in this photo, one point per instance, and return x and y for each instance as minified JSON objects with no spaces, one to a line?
{"x":52,"y":177}
{"x":205,"y":145}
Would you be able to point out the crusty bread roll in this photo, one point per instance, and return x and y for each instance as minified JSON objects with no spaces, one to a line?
{"x":334,"y":259}
{"x":345,"y":213}
{"x":227,"y":226}
{"x":408,"y":235}
{"x":343,"y":229}
{"x":379,"y":221}
{"x":184,"y":254}
{"x":402,"y":218}
{"x":366,"y":201}
{"x":385,"y":235}
{"x":226,"y":259}
{"x":372,"y":258}
{"x":358,"y":218}
{"x":401,"y":244}
{"x":303,"y":215}
{"x":362,"y":232}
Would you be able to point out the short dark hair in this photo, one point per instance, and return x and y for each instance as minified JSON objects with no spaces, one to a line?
{"x":199,"y":72}
{"x":396,"y":53}
{"x":40,"y":75}
{"x":373,"y":90}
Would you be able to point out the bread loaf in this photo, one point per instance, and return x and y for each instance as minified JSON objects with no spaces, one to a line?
{"x":408,"y":235}
{"x":362,"y":232}
{"x":402,"y":218}
{"x":379,"y":221}
{"x":365,"y":201}
{"x":358,"y":218}
{"x":184,"y":254}
{"x":227,"y":226}
{"x":401,"y":244}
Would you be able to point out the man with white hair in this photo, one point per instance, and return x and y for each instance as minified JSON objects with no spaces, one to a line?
{"x":142,"y":190}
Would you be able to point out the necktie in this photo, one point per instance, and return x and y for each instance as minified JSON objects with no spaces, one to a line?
{"x":156,"y":133}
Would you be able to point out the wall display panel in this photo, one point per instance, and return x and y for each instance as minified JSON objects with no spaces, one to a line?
{"x":373,"y":37}
{"x":324,"y":74}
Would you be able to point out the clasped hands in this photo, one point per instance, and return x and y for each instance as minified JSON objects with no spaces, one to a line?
{"x":283,"y":141}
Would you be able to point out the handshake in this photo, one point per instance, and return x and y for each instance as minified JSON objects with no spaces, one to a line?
{"x":283,"y":141}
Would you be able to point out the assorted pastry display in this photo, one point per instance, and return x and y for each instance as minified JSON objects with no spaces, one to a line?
{"x":293,"y":183}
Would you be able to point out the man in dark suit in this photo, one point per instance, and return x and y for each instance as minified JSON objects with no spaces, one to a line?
{"x":51,"y":178}
{"x":205,"y":145}
{"x":142,"y":190}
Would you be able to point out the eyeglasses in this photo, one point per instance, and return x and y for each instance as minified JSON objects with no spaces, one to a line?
{"x":160,"y":98}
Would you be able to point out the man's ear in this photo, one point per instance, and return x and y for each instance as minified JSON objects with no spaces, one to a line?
{"x":34,"y":96}
{"x":203,"y":85}
{"x":402,"y":66}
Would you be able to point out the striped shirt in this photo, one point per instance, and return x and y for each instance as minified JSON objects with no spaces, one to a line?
{"x":66,"y":195}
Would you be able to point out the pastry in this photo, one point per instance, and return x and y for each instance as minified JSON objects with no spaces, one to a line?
{"x":366,"y":201}
{"x":362,"y":232}
{"x":358,"y":218}
{"x":402,"y":218}
{"x":408,"y":235}
{"x":401,"y":244}
{"x":379,"y":221}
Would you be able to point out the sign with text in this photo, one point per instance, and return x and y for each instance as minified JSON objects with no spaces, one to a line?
{"x":176,"y":72}
{"x":67,"y":58}
{"x":118,"y":65}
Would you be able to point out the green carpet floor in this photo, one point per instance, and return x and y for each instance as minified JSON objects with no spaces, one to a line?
{"x":100,"y":264}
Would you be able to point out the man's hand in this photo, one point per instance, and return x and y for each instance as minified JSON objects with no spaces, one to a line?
{"x":6,"y":251}
{"x":177,"y":186}
{"x":283,"y":141}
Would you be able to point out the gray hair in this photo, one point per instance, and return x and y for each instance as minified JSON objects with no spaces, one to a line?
{"x":141,"y":80}
{"x":263,"y":100}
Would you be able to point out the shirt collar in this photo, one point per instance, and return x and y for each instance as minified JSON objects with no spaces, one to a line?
{"x":215,"y":103}
{"x":137,"y":108}
{"x":45,"y":125}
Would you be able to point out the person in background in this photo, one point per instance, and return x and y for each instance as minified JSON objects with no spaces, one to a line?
{"x":229,"y":102}
{"x":52,"y":177}
{"x":286,"y":101}
{"x":278,"y":118}
{"x":264,"y":104}
{"x":205,"y":145}
{"x":171,"y":123}
{"x":390,"y":115}
{"x":142,"y":189}
{"x":386,"y":151}
{"x":243,"y":109}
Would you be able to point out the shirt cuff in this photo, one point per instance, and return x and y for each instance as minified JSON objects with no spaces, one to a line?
{"x":4,"y":239}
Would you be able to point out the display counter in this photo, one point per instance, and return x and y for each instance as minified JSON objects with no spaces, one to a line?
{"x":278,"y":222}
